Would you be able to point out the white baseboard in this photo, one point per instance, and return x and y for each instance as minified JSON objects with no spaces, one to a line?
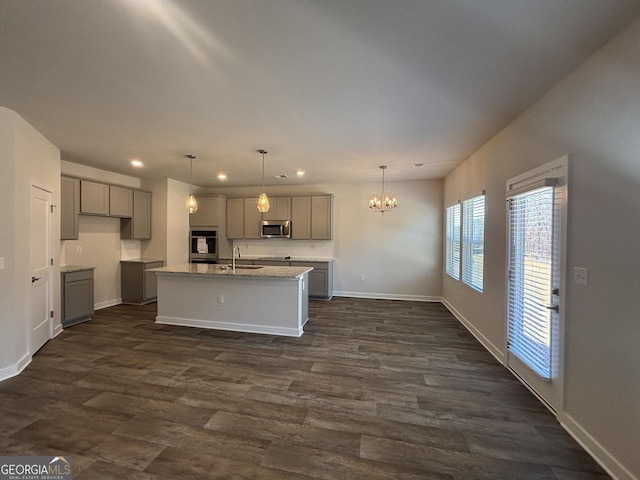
{"x":600,"y":454}
{"x":486,"y":343}
{"x":236,"y":327}
{"x":388,"y":296}
{"x":16,"y":368}
{"x":57,"y":330}
{"x":107,"y":303}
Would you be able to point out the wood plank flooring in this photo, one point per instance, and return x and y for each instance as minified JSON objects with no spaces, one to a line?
{"x":374,"y":389}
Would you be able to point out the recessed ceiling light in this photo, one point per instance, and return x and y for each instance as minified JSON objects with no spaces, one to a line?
{"x":282,"y":175}
{"x":299,"y":173}
{"x":222,"y":176}
{"x":417,"y":165}
{"x":137,"y":163}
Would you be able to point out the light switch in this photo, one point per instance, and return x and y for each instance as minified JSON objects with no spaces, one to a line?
{"x":580,"y":276}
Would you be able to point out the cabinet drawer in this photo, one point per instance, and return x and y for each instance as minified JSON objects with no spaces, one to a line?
{"x":77,"y":276}
{"x":315,"y":265}
{"x":149,"y":266}
{"x":272,"y":263}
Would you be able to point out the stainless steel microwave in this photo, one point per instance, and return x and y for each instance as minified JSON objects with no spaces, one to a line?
{"x":275,"y":229}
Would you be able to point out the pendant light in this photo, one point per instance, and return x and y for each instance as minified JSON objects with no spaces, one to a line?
{"x":263,"y":201}
{"x":384,"y":201}
{"x":192,"y":203}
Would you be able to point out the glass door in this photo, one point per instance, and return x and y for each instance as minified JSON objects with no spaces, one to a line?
{"x":536,"y":206}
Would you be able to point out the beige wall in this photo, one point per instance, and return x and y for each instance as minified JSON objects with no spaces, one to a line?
{"x":594,"y":115}
{"x":26,"y":158}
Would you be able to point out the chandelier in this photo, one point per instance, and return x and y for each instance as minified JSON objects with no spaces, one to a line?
{"x":384,"y":201}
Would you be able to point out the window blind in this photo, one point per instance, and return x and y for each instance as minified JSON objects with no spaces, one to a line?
{"x":452,"y":253}
{"x":530,"y":277}
{"x":473,"y":242}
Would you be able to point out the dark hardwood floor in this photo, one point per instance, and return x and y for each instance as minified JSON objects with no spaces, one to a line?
{"x":374,"y":389}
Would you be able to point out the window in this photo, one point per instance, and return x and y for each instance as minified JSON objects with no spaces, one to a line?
{"x":452,"y":233}
{"x":473,"y":242}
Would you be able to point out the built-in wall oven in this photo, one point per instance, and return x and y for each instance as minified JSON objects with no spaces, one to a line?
{"x":203,"y":246}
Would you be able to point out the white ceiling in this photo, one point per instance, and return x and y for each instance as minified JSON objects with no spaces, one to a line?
{"x":332,"y":87}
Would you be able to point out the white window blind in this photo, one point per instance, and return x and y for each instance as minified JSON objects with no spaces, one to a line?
{"x":473,"y":242}
{"x":452,"y":253}
{"x":530,"y":278}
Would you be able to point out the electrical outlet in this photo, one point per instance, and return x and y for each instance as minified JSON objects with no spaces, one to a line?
{"x":220,"y":298}
{"x":314,"y":246}
{"x":1,"y":263}
{"x":362,"y":277}
{"x":581,"y":276}
{"x":79,"y":249}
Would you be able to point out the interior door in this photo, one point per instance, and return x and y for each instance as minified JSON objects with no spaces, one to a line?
{"x":536,"y":209}
{"x":40,"y":266}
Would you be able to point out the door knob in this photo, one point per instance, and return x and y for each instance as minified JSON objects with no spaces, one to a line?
{"x":555,"y":308}
{"x":35,"y":279}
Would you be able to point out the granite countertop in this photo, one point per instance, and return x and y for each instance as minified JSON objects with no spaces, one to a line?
{"x":74,"y":268}
{"x":142,"y":260}
{"x":206,"y":269}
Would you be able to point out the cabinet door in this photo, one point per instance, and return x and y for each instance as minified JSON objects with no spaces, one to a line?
{"x":69,"y":208}
{"x":321,"y":217}
{"x":301,"y":218}
{"x":150,"y":281}
{"x":94,"y":198}
{"x":252,"y":218}
{"x":141,"y":215}
{"x":207,"y":214}
{"x":120,"y":201}
{"x":280,"y":209}
{"x":318,"y":285}
{"x":235,"y":218}
{"x":78,"y":300}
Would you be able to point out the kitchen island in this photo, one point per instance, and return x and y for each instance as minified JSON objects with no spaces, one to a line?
{"x":259,"y":299}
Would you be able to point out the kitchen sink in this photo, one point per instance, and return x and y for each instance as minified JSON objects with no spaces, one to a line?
{"x":248,"y":267}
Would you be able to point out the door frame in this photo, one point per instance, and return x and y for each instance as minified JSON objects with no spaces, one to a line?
{"x":562,"y":164}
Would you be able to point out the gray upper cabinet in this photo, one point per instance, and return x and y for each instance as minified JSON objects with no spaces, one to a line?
{"x":138,"y":227}
{"x":120,"y":202}
{"x":69,"y":208}
{"x":208,"y":214}
{"x":141,"y":215}
{"x":94,"y":198}
{"x":251,"y":218}
{"x":279,"y":209}
{"x":321,"y":217}
{"x":235,"y":218}
{"x":301,"y":218}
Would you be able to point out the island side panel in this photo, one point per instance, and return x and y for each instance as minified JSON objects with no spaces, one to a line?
{"x":257,"y":305}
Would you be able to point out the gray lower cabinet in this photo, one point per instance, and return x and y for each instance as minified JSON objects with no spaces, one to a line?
{"x":77,"y":296}
{"x":138,"y":284}
{"x":320,"y":278}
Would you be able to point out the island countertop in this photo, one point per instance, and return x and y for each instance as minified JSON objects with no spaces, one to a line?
{"x":244,"y":271}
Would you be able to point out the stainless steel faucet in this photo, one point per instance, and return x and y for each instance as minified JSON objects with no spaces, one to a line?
{"x":233,"y":257}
